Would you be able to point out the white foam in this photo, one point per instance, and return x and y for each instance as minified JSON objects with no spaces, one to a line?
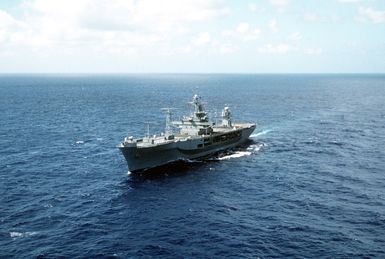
{"x":79,"y":142}
{"x":21,"y":234}
{"x":15,"y":234}
{"x":256,"y":147}
{"x":263,"y":132}
{"x":252,"y":149}
{"x":236,"y":155}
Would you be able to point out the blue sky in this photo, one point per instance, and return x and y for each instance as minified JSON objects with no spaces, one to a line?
{"x":192,"y":36}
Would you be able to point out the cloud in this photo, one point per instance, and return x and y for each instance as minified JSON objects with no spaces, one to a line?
{"x":115,"y":12}
{"x":280,"y":5}
{"x":6,"y":20}
{"x":242,"y":32}
{"x":253,"y":7}
{"x":243,"y":28}
{"x":295,"y":37}
{"x":314,"y":17}
{"x":10,"y":28}
{"x":203,"y":38}
{"x":348,"y":1}
{"x":204,"y":42}
{"x":368,"y":14}
{"x":310,"y":17}
{"x":106,"y":25}
{"x":227,"y":48}
{"x":314,"y":51}
{"x":273,"y":26}
{"x":281,"y":48}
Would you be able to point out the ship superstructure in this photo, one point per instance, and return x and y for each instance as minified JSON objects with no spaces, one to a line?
{"x":192,"y":137}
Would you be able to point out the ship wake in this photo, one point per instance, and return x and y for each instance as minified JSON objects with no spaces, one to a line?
{"x":241,"y":152}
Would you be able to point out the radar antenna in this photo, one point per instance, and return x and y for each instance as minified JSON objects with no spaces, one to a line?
{"x":199,"y":113}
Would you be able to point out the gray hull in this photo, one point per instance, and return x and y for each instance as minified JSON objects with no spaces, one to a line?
{"x":142,"y":158}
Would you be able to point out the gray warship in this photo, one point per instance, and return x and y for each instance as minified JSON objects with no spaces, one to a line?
{"x":193,"y":137}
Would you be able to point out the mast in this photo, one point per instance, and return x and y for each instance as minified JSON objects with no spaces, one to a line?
{"x":226,"y":117}
{"x":168,"y":128}
{"x":199,"y":112}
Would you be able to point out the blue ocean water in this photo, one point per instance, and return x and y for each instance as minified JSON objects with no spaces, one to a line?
{"x":311,"y":182}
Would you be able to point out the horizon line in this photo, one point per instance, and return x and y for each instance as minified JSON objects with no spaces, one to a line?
{"x":191,"y":73}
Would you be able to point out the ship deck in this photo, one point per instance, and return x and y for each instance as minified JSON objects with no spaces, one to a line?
{"x":157,"y":140}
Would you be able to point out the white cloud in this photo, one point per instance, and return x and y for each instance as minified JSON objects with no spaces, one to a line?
{"x":295,"y":37}
{"x":310,"y":17}
{"x":281,"y":48}
{"x":203,"y":38}
{"x":314,"y":17}
{"x":243,"y":32}
{"x":224,"y":48}
{"x":349,"y":1}
{"x":314,"y":51}
{"x":204,"y":42}
{"x":273,"y":26}
{"x":253,"y":7}
{"x":106,"y":25}
{"x":243,"y":28}
{"x":10,"y":28}
{"x":368,"y":14}
{"x":105,"y":12}
{"x":7,"y":20}
{"x":280,"y":5}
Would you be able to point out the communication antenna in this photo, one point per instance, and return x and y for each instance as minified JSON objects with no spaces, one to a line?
{"x":168,"y":128}
{"x":148,"y":128}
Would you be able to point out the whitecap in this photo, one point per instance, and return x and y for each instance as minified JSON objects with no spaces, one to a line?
{"x":79,"y":142}
{"x":256,"y":147}
{"x":15,"y":234}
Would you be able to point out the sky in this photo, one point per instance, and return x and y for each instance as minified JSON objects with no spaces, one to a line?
{"x":192,"y":36}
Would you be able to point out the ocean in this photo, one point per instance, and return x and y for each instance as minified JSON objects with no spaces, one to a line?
{"x":310,"y":183}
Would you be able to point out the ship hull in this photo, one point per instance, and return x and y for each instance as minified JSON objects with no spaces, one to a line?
{"x":141,"y":159}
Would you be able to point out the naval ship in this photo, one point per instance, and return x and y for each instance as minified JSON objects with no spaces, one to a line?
{"x":193,"y":137}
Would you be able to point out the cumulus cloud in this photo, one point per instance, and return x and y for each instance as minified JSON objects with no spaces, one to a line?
{"x":10,"y":28}
{"x":112,"y":24}
{"x":203,"y":38}
{"x":349,"y":1}
{"x":368,"y":14}
{"x":314,"y":17}
{"x":295,"y":37}
{"x":281,"y":48}
{"x":227,"y":48}
{"x":243,"y":32}
{"x":273,"y":26}
{"x":118,"y":12}
{"x":313,"y":51}
{"x":204,"y":42}
{"x":280,"y":5}
{"x":253,"y":7}
{"x":310,"y":17}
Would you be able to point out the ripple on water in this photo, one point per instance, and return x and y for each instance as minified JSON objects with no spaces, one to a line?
{"x":309,"y":183}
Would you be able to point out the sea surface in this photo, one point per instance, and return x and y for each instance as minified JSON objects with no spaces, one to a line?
{"x":310,"y":183}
